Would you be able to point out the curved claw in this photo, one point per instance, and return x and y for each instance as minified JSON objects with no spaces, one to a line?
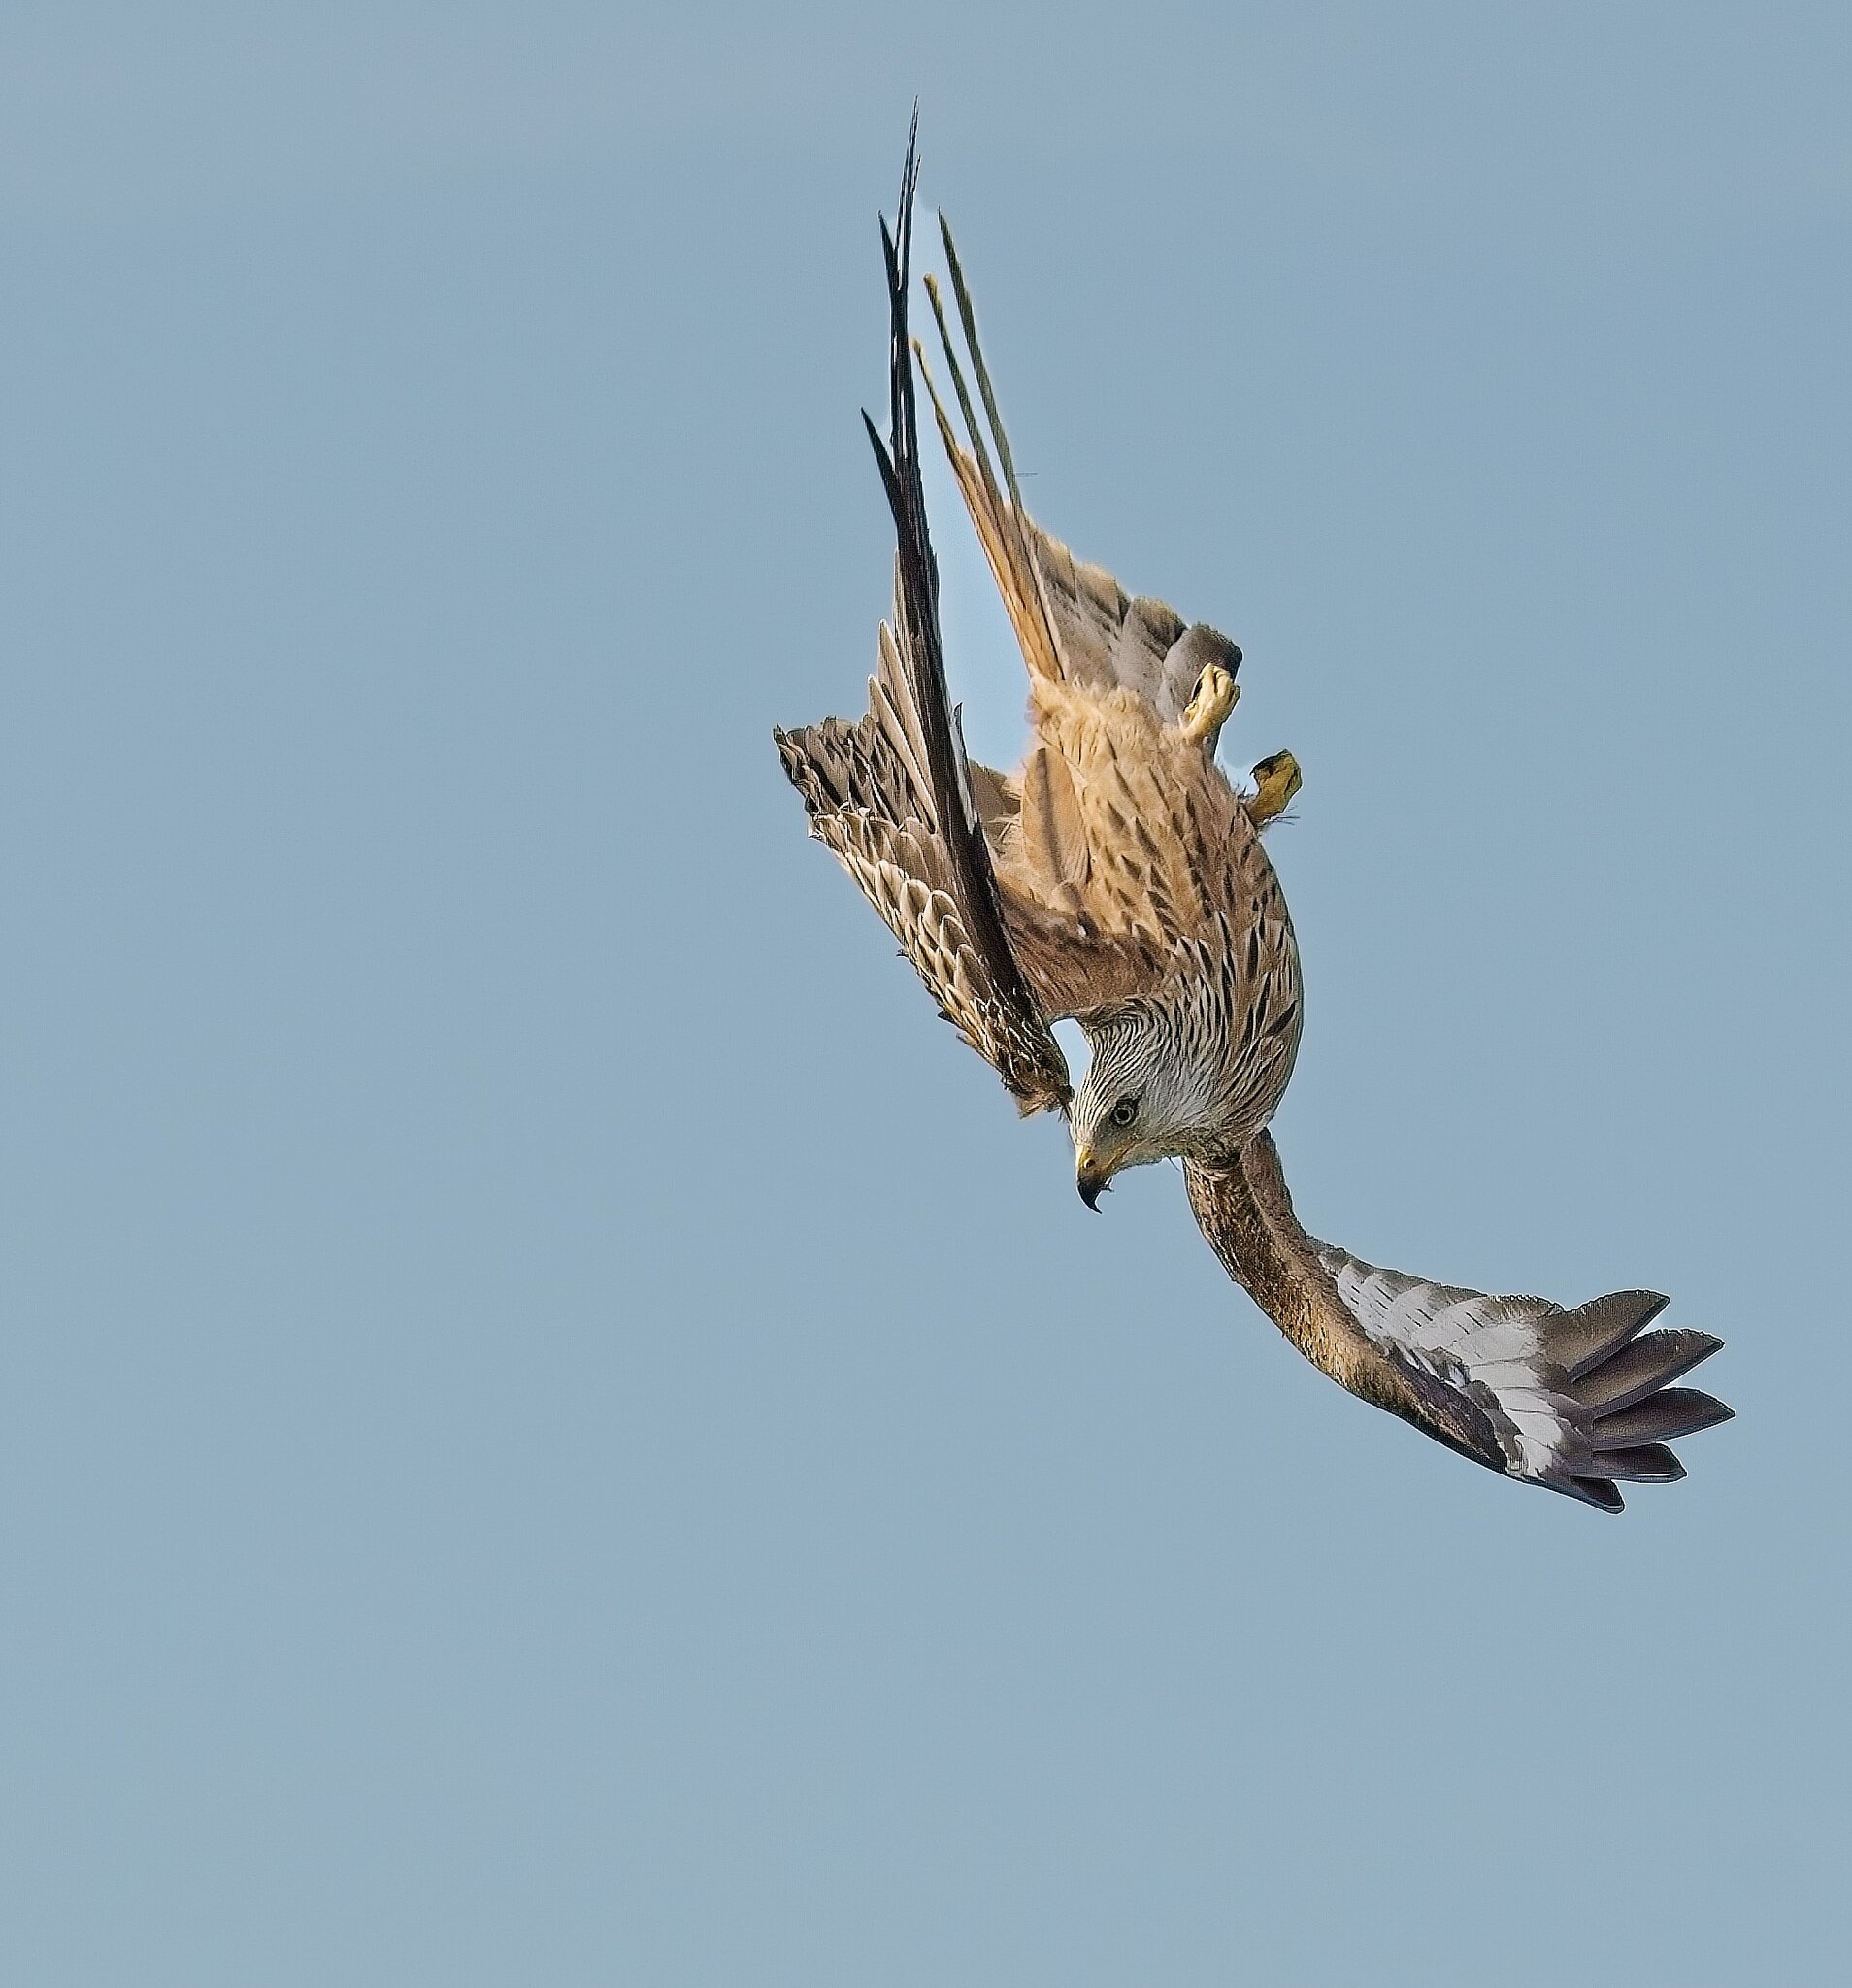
{"x":1216,"y":695}
{"x":1277,"y":779}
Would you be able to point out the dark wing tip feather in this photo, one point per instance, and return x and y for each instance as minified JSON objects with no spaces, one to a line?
{"x":1617,"y":1379}
{"x":1671,"y":1412}
{"x":1581,"y":1340}
{"x":1645,"y":1463}
{"x":885,"y":461}
{"x":1633,"y":1370}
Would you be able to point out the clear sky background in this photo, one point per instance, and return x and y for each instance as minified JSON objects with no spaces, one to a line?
{"x":554,"y":1428}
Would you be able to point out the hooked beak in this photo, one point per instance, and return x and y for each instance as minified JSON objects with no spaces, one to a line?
{"x":1090,"y":1178}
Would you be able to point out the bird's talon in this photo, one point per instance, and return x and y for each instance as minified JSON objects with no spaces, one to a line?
{"x":1277,"y":779}
{"x":1216,"y":693}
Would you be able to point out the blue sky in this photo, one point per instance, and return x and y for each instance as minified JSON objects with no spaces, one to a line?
{"x":555,"y":1427}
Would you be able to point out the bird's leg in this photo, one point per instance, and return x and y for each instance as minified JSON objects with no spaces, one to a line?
{"x":1277,"y":781}
{"x":1215,"y":693}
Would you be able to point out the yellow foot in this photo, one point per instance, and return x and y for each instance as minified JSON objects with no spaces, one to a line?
{"x":1215,"y":693}
{"x":1277,"y":779}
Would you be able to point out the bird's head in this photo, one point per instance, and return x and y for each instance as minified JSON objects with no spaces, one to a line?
{"x":1143,"y":1098}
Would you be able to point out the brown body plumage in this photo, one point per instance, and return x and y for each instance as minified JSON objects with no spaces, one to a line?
{"x":1117,"y":878}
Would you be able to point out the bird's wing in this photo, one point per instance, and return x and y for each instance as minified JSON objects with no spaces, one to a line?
{"x":892,"y":795}
{"x":1578,"y":1400}
{"x":1122,"y":856}
{"x":1074,"y":622}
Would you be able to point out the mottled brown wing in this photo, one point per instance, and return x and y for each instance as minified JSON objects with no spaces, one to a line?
{"x":891,"y":794}
{"x":1577,"y":1401}
{"x":1074,"y":622}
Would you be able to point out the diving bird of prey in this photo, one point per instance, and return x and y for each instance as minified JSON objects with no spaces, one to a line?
{"x":1118,"y":878}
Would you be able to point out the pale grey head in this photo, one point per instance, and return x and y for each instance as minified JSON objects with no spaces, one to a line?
{"x":1149,"y":1094}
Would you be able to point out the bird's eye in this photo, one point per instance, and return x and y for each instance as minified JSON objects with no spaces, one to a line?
{"x":1125,"y":1111}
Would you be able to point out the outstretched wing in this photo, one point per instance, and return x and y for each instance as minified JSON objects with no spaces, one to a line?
{"x":1571,"y":1400}
{"x":892,"y":794}
{"x":1074,"y":622}
{"x":1122,"y":856}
